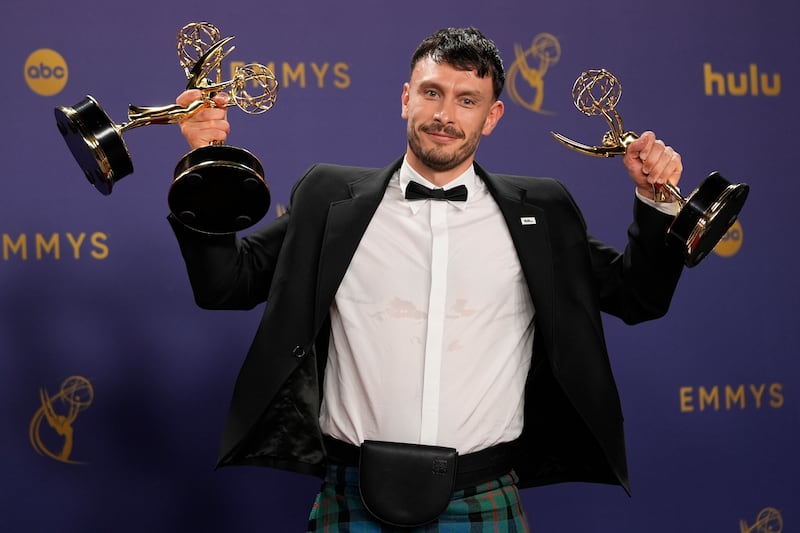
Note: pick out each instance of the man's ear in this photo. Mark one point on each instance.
(494, 116)
(404, 101)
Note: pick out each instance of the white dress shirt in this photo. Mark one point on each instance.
(432, 325)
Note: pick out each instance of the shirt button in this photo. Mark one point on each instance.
(299, 352)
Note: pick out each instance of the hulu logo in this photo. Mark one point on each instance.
(751, 83)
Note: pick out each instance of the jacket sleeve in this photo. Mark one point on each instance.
(227, 272)
(638, 284)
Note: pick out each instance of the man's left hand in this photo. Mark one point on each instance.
(650, 163)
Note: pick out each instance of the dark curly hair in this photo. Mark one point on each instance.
(464, 49)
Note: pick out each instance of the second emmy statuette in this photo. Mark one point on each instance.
(705, 215)
(216, 189)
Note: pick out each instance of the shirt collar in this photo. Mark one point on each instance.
(469, 179)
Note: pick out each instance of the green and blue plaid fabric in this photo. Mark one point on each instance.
(493, 506)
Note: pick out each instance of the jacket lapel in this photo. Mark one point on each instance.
(347, 221)
(528, 226)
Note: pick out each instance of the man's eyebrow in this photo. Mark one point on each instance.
(431, 84)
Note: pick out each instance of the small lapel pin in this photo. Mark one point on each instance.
(527, 221)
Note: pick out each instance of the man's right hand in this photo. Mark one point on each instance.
(207, 126)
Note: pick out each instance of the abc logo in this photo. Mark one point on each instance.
(730, 242)
(46, 72)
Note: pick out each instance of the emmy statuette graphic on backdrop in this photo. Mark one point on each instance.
(217, 188)
(74, 397)
(704, 216)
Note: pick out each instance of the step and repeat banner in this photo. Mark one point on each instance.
(114, 385)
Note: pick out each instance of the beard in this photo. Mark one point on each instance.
(439, 158)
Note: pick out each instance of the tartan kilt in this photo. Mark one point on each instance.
(494, 506)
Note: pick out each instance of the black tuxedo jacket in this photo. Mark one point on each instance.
(573, 421)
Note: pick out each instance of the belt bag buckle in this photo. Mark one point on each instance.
(406, 485)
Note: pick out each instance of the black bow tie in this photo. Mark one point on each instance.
(417, 191)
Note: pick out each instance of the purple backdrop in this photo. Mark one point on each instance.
(93, 291)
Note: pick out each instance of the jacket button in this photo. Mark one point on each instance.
(299, 352)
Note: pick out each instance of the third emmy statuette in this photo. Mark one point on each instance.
(217, 188)
(705, 215)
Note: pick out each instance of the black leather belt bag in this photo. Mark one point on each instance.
(406, 485)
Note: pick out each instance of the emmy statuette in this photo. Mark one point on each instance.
(216, 189)
(704, 216)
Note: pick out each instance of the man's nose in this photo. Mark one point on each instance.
(444, 113)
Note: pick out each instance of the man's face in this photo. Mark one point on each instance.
(447, 112)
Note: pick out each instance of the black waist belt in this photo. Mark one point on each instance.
(473, 468)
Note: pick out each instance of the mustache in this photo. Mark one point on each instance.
(437, 127)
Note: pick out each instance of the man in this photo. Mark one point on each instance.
(400, 328)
